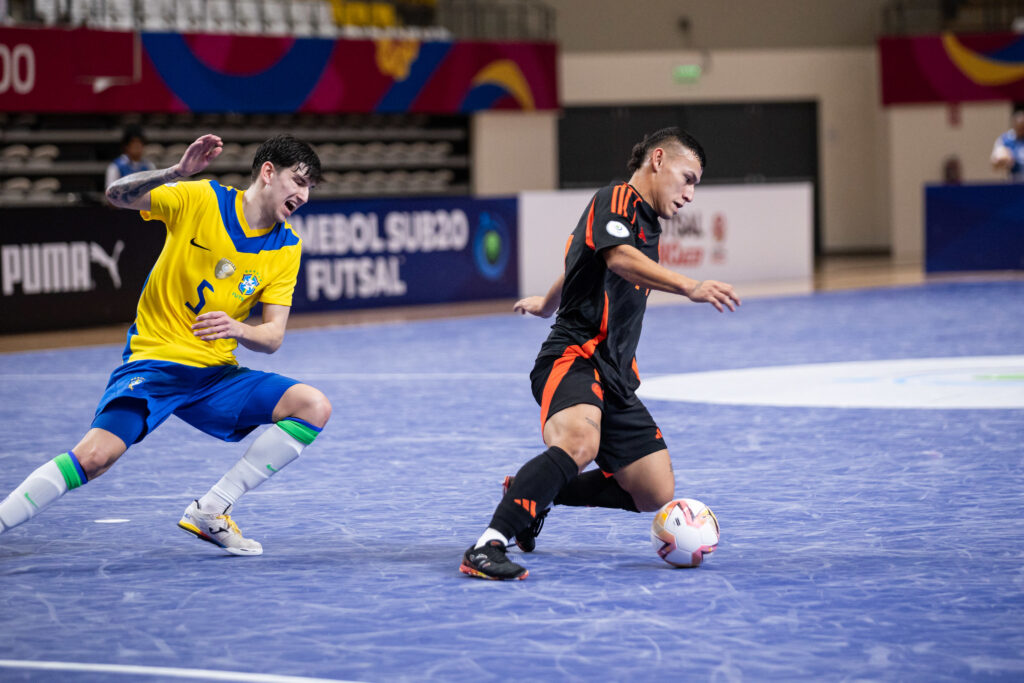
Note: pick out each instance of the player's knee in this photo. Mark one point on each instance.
(98, 450)
(94, 459)
(306, 403)
(581, 447)
(319, 408)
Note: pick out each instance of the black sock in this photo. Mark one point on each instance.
(594, 489)
(536, 485)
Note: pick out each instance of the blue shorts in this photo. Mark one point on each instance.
(225, 401)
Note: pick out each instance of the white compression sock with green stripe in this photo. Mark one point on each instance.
(45, 485)
(272, 450)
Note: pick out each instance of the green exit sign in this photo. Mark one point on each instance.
(687, 73)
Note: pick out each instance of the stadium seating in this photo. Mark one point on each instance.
(14, 156)
(43, 155)
(247, 17)
(61, 158)
(15, 188)
(361, 155)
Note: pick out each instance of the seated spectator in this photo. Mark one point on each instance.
(130, 161)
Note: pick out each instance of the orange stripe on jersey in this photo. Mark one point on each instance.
(561, 366)
(590, 225)
(630, 194)
(568, 243)
(636, 370)
(622, 196)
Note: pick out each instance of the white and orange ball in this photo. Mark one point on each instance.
(684, 531)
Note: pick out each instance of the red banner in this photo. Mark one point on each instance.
(952, 68)
(56, 70)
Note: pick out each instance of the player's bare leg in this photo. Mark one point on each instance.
(306, 403)
(577, 431)
(650, 481)
(98, 451)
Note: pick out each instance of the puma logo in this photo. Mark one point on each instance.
(98, 255)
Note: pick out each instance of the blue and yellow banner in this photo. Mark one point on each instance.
(952, 68)
(53, 70)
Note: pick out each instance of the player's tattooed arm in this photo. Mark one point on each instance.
(127, 191)
(132, 191)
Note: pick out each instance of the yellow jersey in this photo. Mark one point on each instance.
(211, 261)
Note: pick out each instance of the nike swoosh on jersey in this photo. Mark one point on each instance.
(196, 244)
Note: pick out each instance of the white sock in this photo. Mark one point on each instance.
(271, 451)
(490, 535)
(45, 485)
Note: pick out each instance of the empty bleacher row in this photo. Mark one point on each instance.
(47, 190)
(57, 159)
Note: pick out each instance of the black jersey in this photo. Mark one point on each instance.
(601, 314)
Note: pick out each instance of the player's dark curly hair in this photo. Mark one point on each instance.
(642, 149)
(287, 151)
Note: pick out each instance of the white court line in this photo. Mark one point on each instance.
(356, 376)
(201, 674)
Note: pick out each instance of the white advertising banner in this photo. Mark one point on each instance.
(735, 233)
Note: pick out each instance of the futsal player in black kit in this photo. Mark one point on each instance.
(585, 376)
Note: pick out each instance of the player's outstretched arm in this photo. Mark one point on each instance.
(630, 264)
(132, 191)
(263, 338)
(542, 306)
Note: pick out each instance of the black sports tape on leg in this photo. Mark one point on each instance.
(595, 489)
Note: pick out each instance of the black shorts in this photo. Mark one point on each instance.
(628, 431)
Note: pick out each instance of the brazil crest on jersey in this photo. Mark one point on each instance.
(211, 261)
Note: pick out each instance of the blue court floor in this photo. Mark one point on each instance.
(857, 544)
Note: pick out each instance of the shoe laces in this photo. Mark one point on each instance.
(231, 524)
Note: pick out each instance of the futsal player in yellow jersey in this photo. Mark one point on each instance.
(225, 251)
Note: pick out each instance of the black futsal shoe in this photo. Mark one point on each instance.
(527, 538)
(490, 562)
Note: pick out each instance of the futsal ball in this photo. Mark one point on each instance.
(684, 531)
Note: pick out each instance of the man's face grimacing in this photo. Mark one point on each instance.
(677, 172)
(289, 189)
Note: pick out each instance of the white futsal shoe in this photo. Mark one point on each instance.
(218, 529)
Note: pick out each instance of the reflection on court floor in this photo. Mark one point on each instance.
(861, 543)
